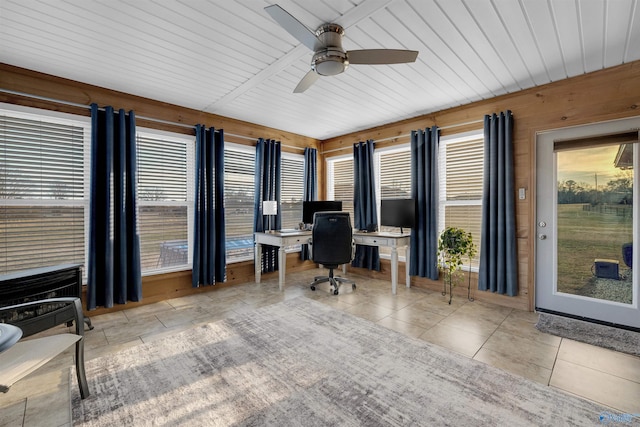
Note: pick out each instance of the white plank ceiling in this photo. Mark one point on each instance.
(231, 58)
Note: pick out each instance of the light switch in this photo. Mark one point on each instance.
(521, 194)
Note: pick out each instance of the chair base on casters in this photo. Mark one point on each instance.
(334, 282)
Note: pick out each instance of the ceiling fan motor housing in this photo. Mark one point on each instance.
(330, 57)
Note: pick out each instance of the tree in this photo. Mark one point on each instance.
(9, 188)
(621, 188)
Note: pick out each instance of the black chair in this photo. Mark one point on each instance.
(331, 245)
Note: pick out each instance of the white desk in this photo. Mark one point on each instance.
(281, 239)
(393, 241)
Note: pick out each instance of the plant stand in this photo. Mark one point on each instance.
(444, 289)
(469, 297)
(454, 244)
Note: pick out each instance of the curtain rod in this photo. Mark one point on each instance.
(457, 125)
(151, 119)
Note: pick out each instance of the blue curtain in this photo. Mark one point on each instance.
(267, 187)
(310, 192)
(209, 242)
(310, 182)
(498, 255)
(113, 270)
(424, 190)
(364, 203)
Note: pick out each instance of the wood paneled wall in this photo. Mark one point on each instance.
(52, 89)
(604, 95)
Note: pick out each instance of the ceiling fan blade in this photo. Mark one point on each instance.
(381, 56)
(293, 26)
(309, 79)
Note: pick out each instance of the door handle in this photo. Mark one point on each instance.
(542, 236)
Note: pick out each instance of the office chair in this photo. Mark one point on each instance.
(331, 244)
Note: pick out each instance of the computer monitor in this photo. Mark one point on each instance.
(309, 208)
(398, 213)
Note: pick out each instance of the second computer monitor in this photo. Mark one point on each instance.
(398, 213)
(309, 208)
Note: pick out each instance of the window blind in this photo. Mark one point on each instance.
(239, 167)
(461, 186)
(43, 192)
(464, 172)
(291, 190)
(162, 169)
(394, 179)
(341, 183)
(395, 174)
(164, 166)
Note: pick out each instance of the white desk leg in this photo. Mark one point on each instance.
(258, 261)
(282, 266)
(406, 265)
(394, 269)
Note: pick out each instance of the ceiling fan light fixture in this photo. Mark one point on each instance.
(329, 62)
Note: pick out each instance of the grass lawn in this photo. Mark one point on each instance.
(585, 235)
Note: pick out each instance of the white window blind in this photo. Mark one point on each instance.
(461, 182)
(394, 182)
(395, 174)
(340, 183)
(165, 178)
(43, 190)
(291, 189)
(239, 164)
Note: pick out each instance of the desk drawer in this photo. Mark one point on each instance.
(372, 241)
(296, 240)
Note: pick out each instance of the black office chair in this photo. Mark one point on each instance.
(331, 245)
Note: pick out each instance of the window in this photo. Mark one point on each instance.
(393, 168)
(461, 181)
(340, 182)
(44, 184)
(239, 167)
(291, 188)
(165, 194)
(44, 189)
(393, 177)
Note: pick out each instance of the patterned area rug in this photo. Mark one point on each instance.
(590, 333)
(302, 363)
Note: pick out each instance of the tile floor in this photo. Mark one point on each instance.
(499, 336)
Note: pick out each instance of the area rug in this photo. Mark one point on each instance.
(591, 333)
(302, 363)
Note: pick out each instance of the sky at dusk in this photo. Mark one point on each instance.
(583, 165)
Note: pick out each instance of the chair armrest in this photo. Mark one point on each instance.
(310, 246)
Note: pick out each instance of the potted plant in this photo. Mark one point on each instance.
(454, 247)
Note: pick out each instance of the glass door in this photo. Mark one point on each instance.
(586, 221)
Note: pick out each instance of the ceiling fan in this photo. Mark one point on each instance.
(329, 56)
